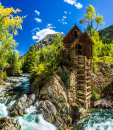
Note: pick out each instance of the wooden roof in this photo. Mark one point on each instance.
(74, 26)
(81, 37)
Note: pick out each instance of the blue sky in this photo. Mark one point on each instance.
(52, 16)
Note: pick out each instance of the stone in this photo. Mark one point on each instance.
(51, 113)
(20, 106)
(55, 93)
(9, 124)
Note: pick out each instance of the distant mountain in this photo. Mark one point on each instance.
(45, 41)
(107, 33)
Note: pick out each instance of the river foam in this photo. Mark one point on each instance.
(97, 120)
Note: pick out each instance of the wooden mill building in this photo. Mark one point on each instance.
(77, 52)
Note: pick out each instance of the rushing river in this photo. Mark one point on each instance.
(97, 120)
(30, 121)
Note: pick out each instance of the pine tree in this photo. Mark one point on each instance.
(29, 60)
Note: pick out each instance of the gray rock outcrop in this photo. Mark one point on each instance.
(20, 106)
(51, 114)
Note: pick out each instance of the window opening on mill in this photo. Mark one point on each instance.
(79, 49)
(79, 46)
(75, 34)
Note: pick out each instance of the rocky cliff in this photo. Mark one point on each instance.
(45, 41)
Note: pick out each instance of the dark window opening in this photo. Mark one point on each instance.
(79, 46)
(75, 34)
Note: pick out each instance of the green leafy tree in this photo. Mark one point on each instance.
(90, 18)
(97, 46)
(29, 60)
(48, 58)
(14, 64)
(9, 24)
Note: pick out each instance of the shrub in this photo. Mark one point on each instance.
(94, 95)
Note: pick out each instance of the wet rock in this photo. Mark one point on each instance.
(9, 124)
(51, 114)
(20, 106)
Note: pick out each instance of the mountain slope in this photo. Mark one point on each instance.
(107, 33)
(45, 41)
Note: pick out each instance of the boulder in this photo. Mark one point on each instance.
(20, 106)
(55, 93)
(9, 124)
(51, 114)
(55, 106)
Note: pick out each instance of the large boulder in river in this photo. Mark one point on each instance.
(20, 106)
(9, 124)
(51, 114)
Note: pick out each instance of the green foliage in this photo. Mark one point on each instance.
(95, 67)
(9, 24)
(106, 34)
(67, 117)
(48, 58)
(97, 46)
(103, 87)
(90, 18)
(94, 95)
(65, 78)
(14, 64)
(101, 52)
(4, 77)
(56, 117)
(29, 60)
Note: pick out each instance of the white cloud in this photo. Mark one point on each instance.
(64, 17)
(74, 2)
(39, 35)
(64, 22)
(37, 12)
(50, 26)
(65, 12)
(69, 12)
(38, 20)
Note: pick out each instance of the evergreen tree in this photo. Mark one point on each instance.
(29, 60)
